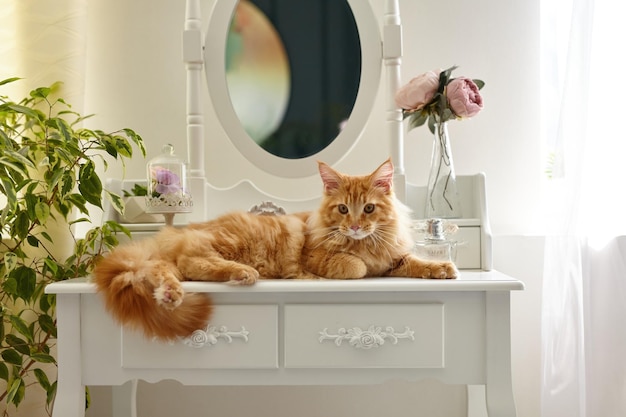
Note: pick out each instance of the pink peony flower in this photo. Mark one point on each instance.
(464, 97)
(418, 92)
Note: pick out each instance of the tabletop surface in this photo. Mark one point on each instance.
(468, 280)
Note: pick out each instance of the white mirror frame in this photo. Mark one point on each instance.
(215, 69)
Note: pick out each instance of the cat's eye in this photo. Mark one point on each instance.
(369, 208)
(343, 209)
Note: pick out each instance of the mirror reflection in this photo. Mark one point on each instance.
(293, 72)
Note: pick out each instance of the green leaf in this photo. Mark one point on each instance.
(47, 325)
(45, 302)
(12, 164)
(68, 182)
(79, 220)
(16, 392)
(42, 378)
(64, 129)
(43, 358)
(9, 80)
(431, 124)
(79, 202)
(109, 146)
(88, 190)
(22, 224)
(47, 237)
(42, 211)
(116, 201)
(10, 286)
(63, 208)
(136, 139)
(4, 372)
(123, 147)
(18, 344)
(26, 281)
(51, 265)
(12, 356)
(444, 78)
(53, 179)
(31, 200)
(26, 110)
(418, 119)
(116, 227)
(479, 83)
(32, 241)
(446, 115)
(8, 189)
(51, 393)
(20, 325)
(41, 92)
(20, 159)
(90, 185)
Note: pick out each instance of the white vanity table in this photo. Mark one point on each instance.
(305, 332)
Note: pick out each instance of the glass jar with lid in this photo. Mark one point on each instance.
(167, 185)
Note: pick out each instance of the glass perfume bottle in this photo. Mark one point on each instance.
(435, 246)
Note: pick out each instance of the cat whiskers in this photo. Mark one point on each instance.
(384, 238)
(331, 236)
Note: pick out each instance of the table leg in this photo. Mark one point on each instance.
(476, 402)
(125, 400)
(500, 401)
(70, 397)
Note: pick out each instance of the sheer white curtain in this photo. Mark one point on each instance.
(584, 292)
(44, 41)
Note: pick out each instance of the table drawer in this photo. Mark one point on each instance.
(364, 336)
(238, 337)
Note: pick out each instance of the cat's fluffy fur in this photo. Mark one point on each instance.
(359, 230)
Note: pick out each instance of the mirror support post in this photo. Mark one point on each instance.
(193, 59)
(392, 57)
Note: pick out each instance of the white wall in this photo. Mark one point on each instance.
(135, 78)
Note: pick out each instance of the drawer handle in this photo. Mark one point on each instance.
(212, 334)
(373, 337)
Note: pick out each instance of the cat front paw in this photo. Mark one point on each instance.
(443, 270)
(169, 295)
(243, 275)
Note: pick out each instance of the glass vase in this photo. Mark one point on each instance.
(442, 198)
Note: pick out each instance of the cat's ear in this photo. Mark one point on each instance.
(383, 176)
(330, 177)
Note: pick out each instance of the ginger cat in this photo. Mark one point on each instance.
(359, 230)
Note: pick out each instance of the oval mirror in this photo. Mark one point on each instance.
(257, 107)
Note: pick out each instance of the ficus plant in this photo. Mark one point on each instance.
(49, 179)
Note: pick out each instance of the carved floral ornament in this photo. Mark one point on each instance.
(373, 337)
(212, 334)
(356, 337)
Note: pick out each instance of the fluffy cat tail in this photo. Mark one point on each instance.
(145, 294)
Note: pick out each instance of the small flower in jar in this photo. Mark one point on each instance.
(165, 181)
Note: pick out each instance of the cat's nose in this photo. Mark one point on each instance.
(355, 227)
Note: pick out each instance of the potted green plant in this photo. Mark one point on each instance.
(48, 177)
